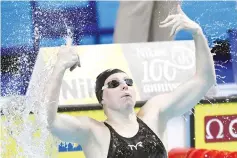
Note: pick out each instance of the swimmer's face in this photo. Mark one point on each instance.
(119, 92)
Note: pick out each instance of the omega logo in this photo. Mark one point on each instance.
(220, 128)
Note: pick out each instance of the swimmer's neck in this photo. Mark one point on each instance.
(120, 117)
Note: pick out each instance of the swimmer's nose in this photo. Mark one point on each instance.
(124, 86)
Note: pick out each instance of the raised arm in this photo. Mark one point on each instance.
(65, 127)
(188, 94)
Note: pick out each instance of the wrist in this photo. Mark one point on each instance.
(197, 32)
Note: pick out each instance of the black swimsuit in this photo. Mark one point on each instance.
(145, 144)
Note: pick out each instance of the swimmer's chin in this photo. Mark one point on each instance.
(130, 103)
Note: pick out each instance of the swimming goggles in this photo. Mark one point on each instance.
(115, 83)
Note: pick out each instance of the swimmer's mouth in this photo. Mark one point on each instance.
(126, 95)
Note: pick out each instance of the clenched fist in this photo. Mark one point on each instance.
(68, 58)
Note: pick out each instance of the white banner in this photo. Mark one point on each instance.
(155, 67)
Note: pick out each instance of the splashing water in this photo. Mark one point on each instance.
(69, 36)
(29, 131)
(26, 133)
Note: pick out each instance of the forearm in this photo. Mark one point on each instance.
(204, 61)
(53, 92)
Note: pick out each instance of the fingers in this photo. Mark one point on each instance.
(77, 64)
(174, 21)
(176, 28)
(73, 67)
(169, 18)
(179, 9)
(173, 30)
(70, 57)
(169, 23)
(178, 22)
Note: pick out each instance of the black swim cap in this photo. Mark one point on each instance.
(100, 80)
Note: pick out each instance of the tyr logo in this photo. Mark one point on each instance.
(135, 146)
